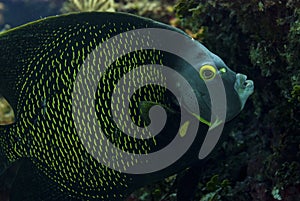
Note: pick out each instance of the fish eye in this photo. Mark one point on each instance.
(207, 72)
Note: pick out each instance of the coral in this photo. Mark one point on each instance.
(158, 10)
(88, 5)
(155, 9)
(140, 7)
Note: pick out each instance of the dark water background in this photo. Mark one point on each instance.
(18, 12)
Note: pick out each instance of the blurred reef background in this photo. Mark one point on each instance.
(260, 159)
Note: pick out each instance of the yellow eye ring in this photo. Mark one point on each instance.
(207, 72)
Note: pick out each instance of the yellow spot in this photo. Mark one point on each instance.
(223, 70)
(183, 129)
(215, 124)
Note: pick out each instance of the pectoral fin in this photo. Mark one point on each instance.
(145, 107)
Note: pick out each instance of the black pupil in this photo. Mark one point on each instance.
(207, 74)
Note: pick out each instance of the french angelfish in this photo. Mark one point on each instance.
(39, 65)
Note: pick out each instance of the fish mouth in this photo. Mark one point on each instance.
(243, 87)
(241, 80)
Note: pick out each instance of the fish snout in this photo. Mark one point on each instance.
(243, 87)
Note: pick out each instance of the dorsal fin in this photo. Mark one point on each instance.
(18, 45)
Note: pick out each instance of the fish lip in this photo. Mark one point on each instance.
(242, 82)
(243, 87)
(249, 84)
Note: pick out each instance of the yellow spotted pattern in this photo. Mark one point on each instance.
(45, 130)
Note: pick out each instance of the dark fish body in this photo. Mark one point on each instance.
(39, 64)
